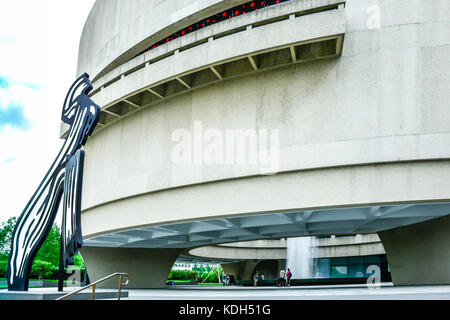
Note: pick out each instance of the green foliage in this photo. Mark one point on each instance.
(201, 269)
(182, 275)
(79, 262)
(41, 269)
(211, 276)
(3, 268)
(49, 250)
(46, 262)
(6, 230)
(202, 275)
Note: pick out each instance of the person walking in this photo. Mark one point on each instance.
(256, 278)
(288, 277)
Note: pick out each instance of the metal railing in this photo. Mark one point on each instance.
(120, 274)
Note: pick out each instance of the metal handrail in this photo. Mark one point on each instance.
(120, 274)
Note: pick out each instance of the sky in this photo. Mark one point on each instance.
(38, 59)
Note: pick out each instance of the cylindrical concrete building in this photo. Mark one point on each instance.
(227, 121)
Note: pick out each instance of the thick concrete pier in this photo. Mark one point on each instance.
(419, 254)
(147, 268)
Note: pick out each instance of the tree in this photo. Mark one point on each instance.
(79, 262)
(46, 261)
(6, 230)
(41, 269)
(49, 250)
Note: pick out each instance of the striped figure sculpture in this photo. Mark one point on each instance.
(63, 181)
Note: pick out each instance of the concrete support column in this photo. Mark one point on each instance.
(235, 268)
(419, 254)
(147, 268)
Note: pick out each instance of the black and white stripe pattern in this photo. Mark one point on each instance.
(71, 238)
(36, 220)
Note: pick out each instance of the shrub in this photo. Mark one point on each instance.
(41, 269)
(182, 275)
(3, 268)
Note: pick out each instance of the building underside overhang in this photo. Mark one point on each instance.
(350, 220)
(183, 258)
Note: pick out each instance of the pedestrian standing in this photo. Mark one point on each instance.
(288, 277)
(256, 278)
(281, 281)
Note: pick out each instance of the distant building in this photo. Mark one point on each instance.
(333, 257)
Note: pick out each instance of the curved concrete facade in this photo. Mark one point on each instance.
(327, 247)
(242, 258)
(114, 28)
(358, 95)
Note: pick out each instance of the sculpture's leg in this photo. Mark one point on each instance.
(61, 269)
(32, 228)
(71, 238)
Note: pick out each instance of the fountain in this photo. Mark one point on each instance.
(299, 257)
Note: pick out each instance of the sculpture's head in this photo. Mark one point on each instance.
(81, 86)
(79, 111)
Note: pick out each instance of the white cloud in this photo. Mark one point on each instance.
(39, 46)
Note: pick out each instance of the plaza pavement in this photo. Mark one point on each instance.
(342, 292)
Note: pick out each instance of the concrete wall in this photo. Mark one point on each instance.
(223, 252)
(419, 254)
(357, 245)
(147, 268)
(209, 47)
(115, 26)
(371, 184)
(368, 128)
(330, 247)
(384, 100)
(235, 268)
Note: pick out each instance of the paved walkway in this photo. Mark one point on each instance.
(343, 292)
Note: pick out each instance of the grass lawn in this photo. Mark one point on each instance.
(47, 280)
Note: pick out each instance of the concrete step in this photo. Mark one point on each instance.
(52, 294)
